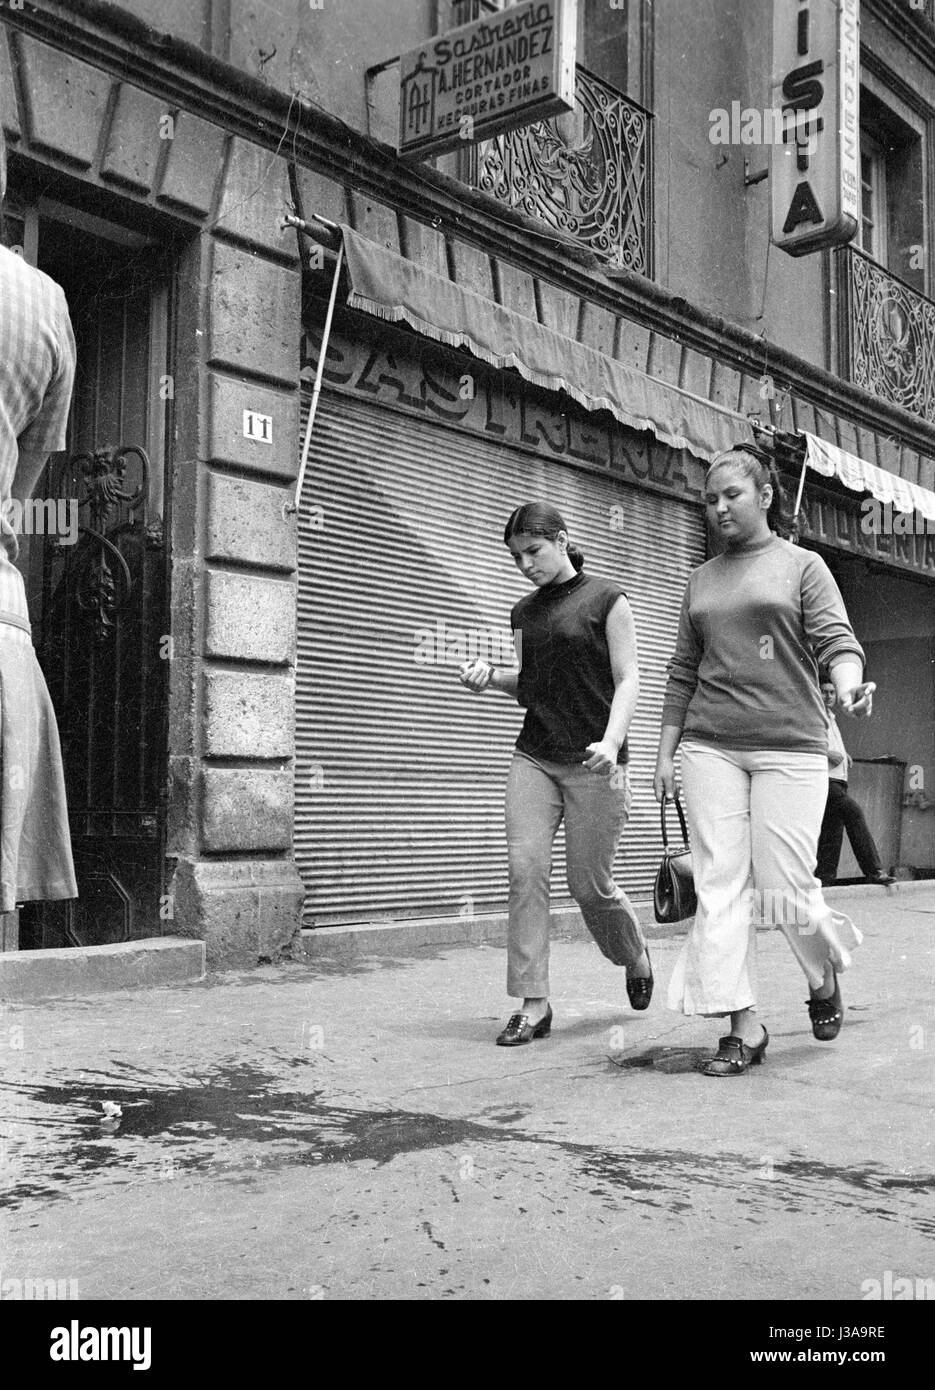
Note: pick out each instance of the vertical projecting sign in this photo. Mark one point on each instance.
(815, 160)
(509, 69)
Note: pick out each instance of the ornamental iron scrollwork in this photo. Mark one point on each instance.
(890, 334)
(585, 174)
(96, 483)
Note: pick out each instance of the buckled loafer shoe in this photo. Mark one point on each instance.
(640, 992)
(519, 1030)
(826, 1015)
(734, 1056)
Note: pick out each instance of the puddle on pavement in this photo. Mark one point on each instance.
(233, 1120)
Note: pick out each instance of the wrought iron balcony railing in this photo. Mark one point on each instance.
(886, 332)
(587, 174)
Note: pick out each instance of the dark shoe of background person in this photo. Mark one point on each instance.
(519, 1030)
(735, 1056)
(640, 992)
(884, 879)
(827, 1015)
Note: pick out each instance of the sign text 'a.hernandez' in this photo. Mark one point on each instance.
(815, 171)
(477, 81)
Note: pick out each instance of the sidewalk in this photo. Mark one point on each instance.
(348, 1130)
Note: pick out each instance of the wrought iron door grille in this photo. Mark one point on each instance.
(587, 174)
(886, 333)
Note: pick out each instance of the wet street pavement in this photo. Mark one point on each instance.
(352, 1133)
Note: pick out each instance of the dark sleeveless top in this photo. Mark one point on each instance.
(566, 684)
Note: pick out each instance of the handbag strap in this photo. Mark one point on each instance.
(681, 816)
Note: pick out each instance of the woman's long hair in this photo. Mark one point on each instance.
(757, 464)
(541, 519)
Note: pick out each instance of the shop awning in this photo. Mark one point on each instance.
(861, 476)
(399, 290)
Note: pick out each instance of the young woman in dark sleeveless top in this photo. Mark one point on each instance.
(578, 683)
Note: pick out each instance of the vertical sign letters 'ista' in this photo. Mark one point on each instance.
(815, 166)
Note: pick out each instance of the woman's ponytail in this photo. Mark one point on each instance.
(576, 556)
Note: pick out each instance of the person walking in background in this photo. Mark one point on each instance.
(579, 683)
(37, 368)
(743, 699)
(842, 811)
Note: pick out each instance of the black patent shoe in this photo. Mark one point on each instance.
(827, 1015)
(640, 992)
(519, 1030)
(734, 1056)
(884, 879)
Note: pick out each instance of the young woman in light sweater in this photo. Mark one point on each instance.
(744, 701)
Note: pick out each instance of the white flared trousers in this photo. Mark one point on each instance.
(754, 820)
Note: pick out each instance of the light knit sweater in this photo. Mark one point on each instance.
(754, 622)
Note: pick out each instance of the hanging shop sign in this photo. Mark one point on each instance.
(487, 77)
(815, 152)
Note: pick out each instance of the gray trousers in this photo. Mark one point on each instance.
(595, 808)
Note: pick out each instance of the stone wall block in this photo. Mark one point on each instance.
(900, 459)
(472, 268)
(665, 359)
(246, 809)
(696, 373)
(426, 246)
(66, 101)
(247, 525)
(375, 221)
(598, 327)
(243, 911)
(751, 402)
(559, 309)
(633, 348)
(249, 619)
(196, 159)
(227, 442)
(134, 141)
(255, 195)
(248, 716)
(321, 195)
(256, 311)
(725, 386)
(517, 290)
(9, 115)
(803, 415)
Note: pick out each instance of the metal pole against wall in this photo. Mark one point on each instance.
(291, 221)
(798, 495)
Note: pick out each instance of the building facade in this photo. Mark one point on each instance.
(262, 724)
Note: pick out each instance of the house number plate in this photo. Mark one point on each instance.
(258, 427)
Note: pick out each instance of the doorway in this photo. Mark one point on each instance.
(98, 594)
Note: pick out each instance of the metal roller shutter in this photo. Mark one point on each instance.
(400, 770)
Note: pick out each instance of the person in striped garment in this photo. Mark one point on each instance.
(37, 368)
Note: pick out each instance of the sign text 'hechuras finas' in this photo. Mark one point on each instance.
(815, 171)
(477, 81)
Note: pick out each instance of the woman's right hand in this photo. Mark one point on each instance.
(664, 779)
(476, 675)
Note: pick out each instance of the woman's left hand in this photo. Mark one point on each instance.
(858, 701)
(602, 757)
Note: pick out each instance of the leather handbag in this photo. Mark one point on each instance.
(674, 896)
